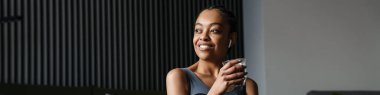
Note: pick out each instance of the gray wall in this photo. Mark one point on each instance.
(254, 42)
(303, 45)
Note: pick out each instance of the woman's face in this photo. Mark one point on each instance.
(211, 35)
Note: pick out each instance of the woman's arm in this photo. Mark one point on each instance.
(176, 83)
(251, 87)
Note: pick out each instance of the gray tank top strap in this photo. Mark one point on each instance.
(197, 87)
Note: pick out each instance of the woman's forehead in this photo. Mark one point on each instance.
(208, 17)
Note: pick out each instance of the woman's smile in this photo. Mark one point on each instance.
(205, 46)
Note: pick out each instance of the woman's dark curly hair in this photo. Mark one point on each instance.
(231, 19)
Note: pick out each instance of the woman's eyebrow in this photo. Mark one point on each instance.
(198, 24)
(212, 24)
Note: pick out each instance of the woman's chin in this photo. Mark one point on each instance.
(205, 56)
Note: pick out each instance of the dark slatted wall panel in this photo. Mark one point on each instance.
(112, 44)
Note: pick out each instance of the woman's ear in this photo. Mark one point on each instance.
(230, 43)
(233, 38)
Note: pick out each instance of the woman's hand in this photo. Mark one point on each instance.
(230, 74)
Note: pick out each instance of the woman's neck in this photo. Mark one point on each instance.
(209, 67)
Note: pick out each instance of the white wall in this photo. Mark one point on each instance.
(313, 45)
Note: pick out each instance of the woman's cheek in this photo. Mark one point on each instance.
(194, 41)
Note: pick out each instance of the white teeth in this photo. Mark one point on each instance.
(204, 46)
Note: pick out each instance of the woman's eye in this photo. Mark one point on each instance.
(215, 31)
(197, 30)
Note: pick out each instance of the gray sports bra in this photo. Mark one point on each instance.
(197, 87)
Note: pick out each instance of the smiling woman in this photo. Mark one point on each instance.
(214, 34)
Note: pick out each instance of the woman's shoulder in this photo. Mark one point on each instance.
(179, 73)
(176, 81)
(251, 87)
(251, 81)
(176, 73)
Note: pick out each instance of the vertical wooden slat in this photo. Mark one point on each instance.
(64, 41)
(160, 42)
(58, 42)
(151, 63)
(32, 43)
(4, 30)
(39, 39)
(108, 48)
(12, 38)
(98, 43)
(26, 30)
(44, 43)
(156, 44)
(121, 51)
(129, 45)
(139, 45)
(75, 42)
(85, 45)
(1, 42)
(124, 49)
(5, 38)
(114, 58)
(92, 47)
(175, 31)
(21, 44)
(134, 45)
(17, 43)
(50, 42)
(81, 34)
(104, 52)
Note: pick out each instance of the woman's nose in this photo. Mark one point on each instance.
(204, 37)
